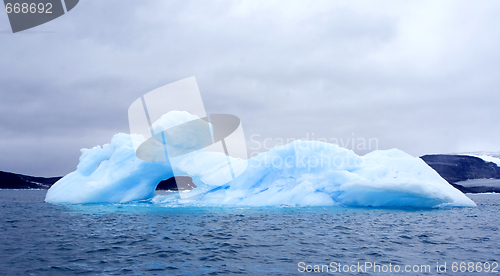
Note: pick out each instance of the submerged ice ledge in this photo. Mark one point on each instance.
(302, 173)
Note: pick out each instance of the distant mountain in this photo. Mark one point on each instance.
(179, 183)
(469, 174)
(19, 181)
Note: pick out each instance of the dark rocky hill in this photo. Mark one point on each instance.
(457, 168)
(179, 183)
(19, 181)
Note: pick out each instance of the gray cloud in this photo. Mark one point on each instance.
(419, 76)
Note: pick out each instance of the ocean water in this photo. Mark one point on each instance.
(37, 238)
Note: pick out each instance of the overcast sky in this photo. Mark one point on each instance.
(421, 76)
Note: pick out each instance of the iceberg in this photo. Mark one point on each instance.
(302, 173)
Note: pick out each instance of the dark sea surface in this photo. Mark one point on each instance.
(37, 238)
